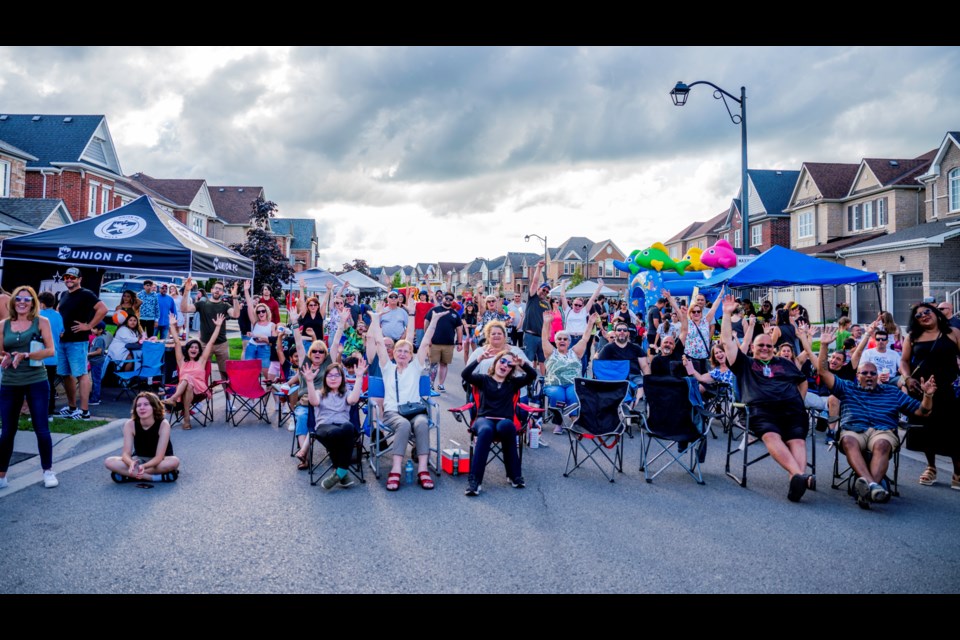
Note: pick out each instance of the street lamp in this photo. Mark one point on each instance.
(546, 259)
(586, 262)
(679, 94)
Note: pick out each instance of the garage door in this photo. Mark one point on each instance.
(907, 291)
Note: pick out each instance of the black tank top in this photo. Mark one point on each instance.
(145, 441)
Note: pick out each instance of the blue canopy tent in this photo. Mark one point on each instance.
(782, 267)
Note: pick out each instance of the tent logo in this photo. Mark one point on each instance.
(64, 252)
(225, 266)
(120, 227)
(188, 235)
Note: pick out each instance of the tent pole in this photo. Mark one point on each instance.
(879, 297)
(823, 309)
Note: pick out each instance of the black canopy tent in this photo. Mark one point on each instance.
(136, 237)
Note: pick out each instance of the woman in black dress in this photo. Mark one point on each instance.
(931, 349)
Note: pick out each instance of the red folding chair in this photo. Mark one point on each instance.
(244, 393)
(201, 408)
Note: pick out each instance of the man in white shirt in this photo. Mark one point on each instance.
(887, 361)
(515, 310)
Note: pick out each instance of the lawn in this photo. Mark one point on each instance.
(64, 425)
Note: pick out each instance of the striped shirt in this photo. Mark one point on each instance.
(862, 409)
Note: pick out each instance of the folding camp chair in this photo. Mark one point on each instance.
(381, 435)
(523, 418)
(201, 407)
(148, 365)
(599, 426)
(620, 370)
(844, 476)
(677, 423)
(244, 394)
(740, 439)
(322, 466)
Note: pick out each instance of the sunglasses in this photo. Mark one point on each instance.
(393, 297)
(623, 330)
(262, 312)
(578, 306)
(695, 313)
(763, 346)
(882, 339)
(505, 361)
(69, 277)
(867, 373)
(925, 312)
(312, 304)
(22, 299)
(319, 352)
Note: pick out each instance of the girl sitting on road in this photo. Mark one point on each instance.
(147, 451)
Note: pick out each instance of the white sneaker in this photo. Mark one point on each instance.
(50, 479)
(3, 483)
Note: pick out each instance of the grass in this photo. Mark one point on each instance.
(236, 348)
(64, 425)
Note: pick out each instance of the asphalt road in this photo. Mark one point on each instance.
(242, 519)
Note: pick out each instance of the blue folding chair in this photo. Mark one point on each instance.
(148, 364)
(615, 371)
(381, 436)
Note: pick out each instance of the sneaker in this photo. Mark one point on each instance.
(330, 481)
(77, 414)
(878, 493)
(347, 481)
(291, 427)
(862, 488)
(50, 479)
(558, 430)
(67, 412)
(473, 489)
(440, 387)
(518, 483)
(4, 483)
(84, 415)
(94, 403)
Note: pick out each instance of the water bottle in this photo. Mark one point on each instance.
(535, 435)
(408, 471)
(456, 462)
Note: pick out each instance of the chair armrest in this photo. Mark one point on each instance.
(528, 408)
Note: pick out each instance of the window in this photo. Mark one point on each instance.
(92, 202)
(854, 218)
(4, 179)
(569, 267)
(756, 235)
(105, 201)
(805, 224)
(737, 239)
(953, 189)
(609, 270)
(867, 215)
(882, 212)
(196, 224)
(726, 237)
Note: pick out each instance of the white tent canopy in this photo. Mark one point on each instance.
(584, 290)
(316, 281)
(362, 283)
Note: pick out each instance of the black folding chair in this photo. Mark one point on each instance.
(677, 424)
(844, 476)
(740, 439)
(599, 426)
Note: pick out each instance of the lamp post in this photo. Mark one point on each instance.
(586, 263)
(546, 258)
(679, 95)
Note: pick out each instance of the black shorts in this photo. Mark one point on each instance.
(789, 423)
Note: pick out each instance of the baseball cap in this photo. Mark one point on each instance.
(73, 271)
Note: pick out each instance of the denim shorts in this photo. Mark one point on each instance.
(72, 359)
(259, 352)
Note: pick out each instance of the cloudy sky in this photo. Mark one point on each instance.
(414, 154)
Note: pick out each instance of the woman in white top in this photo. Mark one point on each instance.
(495, 339)
(401, 383)
(576, 320)
(128, 335)
(261, 330)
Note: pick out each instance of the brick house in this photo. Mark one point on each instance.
(922, 259)
(768, 192)
(591, 259)
(300, 235)
(232, 207)
(74, 161)
(188, 199)
(699, 234)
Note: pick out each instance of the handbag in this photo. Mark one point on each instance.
(408, 409)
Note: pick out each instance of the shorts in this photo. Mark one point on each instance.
(72, 359)
(869, 438)
(533, 347)
(259, 352)
(274, 371)
(813, 401)
(441, 353)
(790, 425)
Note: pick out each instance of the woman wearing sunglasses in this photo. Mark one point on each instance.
(27, 340)
(930, 350)
(497, 390)
(563, 366)
(262, 330)
(576, 316)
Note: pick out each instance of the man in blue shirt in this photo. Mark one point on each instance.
(868, 420)
(149, 307)
(165, 306)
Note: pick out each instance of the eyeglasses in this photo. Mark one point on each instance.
(22, 299)
(334, 372)
(623, 330)
(923, 312)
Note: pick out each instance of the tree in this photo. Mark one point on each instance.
(358, 264)
(271, 267)
(577, 276)
(397, 280)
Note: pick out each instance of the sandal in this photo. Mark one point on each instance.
(393, 481)
(186, 426)
(424, 480)
(929, 476)
(303, 466)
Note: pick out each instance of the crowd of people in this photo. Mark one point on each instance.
(865, 377)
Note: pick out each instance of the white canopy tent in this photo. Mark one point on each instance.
(584, 290)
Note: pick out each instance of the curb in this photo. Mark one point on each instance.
(82, 442)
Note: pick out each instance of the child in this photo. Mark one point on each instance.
(97, 356)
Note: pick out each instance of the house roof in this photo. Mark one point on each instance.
(232, 204)
(179, 191)
(51, 138)
(833, 179)
(895, 171)
(686, 231)
(10, 150)
(516, 258)
(575, 244)
(140, 189)
(701, 227)
(302, 230)
(423, 267)
(31, 211)
(839, 244)
(919, 235)
(475, 265)
(446, 267)
(951, 138)
(774, 188)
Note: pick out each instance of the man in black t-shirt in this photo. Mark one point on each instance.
(538, 303)
(81, 310)
(449, 332)
(207, 309)
(669, 362)
(773, 390)
(623, 349)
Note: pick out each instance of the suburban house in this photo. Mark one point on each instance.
(450, 274)
(20, 215)
(233, 211)
(71, 158)
(919, 255)
(299, 237)
(768, 193)
(591, 259)
(189, 200)
(699, 234)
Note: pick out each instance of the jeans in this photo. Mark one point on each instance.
(533, 348)
(339, 440)
(11, 399)
(556, 393)
(96, 377)
(163, 331)
(488, 431)
(417, 338)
